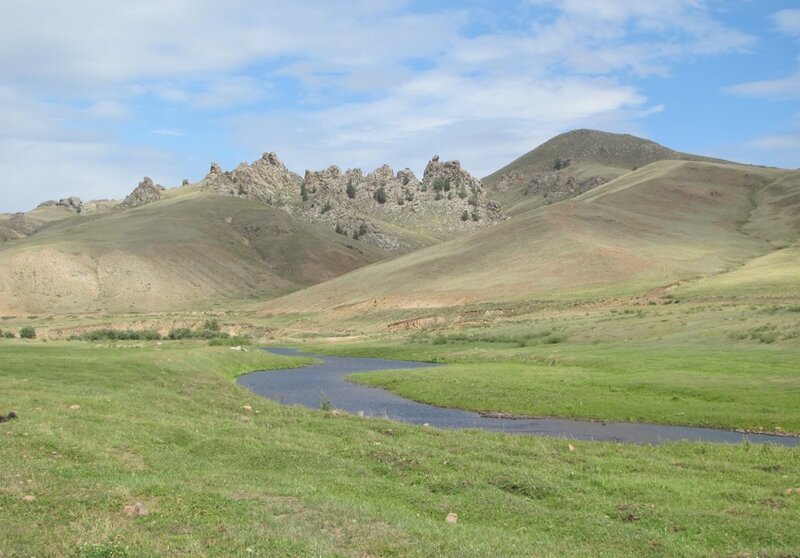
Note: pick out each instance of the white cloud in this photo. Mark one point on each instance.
(73, 74)
(787, 22)
(787, 88)
(34, 171)
(482, 121)
(781, 142)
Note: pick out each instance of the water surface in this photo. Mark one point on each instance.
(311, 385)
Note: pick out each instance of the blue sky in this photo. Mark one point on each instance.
(94, 94)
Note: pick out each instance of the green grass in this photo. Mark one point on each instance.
(167, 427)
(754, 388)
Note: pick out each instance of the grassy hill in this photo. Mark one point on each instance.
(184, 252)
(666, 222)
(573, 162)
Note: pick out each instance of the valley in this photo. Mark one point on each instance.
(606, 278)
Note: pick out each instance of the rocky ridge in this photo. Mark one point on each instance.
(375, 207)
(266, 180)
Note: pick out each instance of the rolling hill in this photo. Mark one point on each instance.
(183, 252)
(261, 232)
(572, 163)
(665, 222)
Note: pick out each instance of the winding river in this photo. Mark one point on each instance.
(311, 385)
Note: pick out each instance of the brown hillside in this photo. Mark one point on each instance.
(668, 221)
(192, 251)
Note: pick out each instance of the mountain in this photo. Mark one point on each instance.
(665, 222)
(347, 241)
(573, 163)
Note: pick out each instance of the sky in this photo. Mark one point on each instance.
(96, 94)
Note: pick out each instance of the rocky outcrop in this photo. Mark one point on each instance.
(266, 180)
(447, 201)
(146, 192)
(72, 203)
(381, 207)
(551, 186)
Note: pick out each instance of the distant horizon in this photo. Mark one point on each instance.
(93, 100)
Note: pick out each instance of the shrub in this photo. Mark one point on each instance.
(351, 190)
(362, 229)
(325, 208)
(340, 230)
(211, 325)
(465, 215)
(230, 341)
(304, 192)
(380, 195)
(9, 335)
(108, 334)
(27, 332)
(180, 333)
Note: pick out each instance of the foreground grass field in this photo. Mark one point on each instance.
(222, 472)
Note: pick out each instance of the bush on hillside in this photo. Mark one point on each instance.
(380, 195)
(27, 332)
(230, 341)
(109, 334)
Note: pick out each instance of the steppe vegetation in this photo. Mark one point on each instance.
(139, 449)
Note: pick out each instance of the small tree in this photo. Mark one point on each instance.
(380, 195)
(362, 229)
(465, 215)
(304, 192)
(27, 332)
(340, 230)
(325, 208)
(351, 190)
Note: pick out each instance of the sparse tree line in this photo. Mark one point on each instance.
(210, 330)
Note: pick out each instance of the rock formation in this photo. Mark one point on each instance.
(146, 192)
(447, 201)
(266, 180)
(551, 186)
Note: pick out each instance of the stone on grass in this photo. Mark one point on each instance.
(135, 510)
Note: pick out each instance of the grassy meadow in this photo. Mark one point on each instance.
(218, 471)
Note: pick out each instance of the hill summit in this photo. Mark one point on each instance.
(575, 162)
